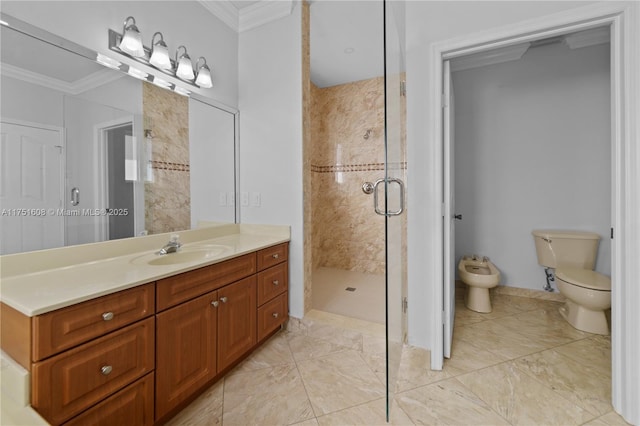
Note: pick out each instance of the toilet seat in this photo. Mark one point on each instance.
(585, 278)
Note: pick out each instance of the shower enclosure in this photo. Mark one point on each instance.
(357, 168)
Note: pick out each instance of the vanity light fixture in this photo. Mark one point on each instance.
(161, 82)
(184, 70)
(160, 53)
(131, 42)
(179, 90)
(108, 62)
(204, 74)
(135, 72)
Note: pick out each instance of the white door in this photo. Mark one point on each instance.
(449, 215)
(31, 186)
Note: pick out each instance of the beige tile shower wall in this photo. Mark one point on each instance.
(167, 194)
(306, 154)
(347, 234)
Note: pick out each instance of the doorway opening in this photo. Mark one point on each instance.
(120, 180)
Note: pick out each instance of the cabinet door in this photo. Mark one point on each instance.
(236, 321)
(185, 350)
(133, 406)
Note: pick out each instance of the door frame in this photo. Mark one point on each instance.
(624, 21)
(101, 170)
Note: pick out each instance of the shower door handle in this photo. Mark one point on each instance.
(388, 181)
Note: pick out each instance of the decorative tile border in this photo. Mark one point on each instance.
(367, 167)
(165, 165)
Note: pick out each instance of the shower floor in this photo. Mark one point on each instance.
(349, 293)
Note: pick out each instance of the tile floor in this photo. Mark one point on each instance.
(519, 365)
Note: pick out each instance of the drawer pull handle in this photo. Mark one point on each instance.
(275, 315)
(223, 299)
(275, 255)
(275, 282)
(107, 316)
(106, 370)
(215, 303)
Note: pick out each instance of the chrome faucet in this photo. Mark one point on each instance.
(172, 246)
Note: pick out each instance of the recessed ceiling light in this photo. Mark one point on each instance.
(349, 50)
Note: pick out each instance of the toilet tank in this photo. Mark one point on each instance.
(566, 248)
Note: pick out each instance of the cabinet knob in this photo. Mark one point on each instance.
(106, 370)
(223, 299)
(275, 255)
(215, 303)
(275, 315)
(275, 282)
(107, 316)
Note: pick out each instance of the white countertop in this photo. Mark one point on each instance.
(39, 282)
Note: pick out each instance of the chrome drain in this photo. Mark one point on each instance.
(350, 289)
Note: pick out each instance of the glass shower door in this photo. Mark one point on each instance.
(394, 185)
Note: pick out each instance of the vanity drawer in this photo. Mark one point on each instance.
(132, 406)
(272, 314)
(69, 383)
(180, 288)
(272, 256)
(272, 282)
(56, 331)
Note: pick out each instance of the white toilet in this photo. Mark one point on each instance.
(479, 274)
(588, 293)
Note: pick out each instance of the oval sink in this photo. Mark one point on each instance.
(184, 255)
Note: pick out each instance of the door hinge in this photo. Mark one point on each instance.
(444, 317)
(405, 305)
(612, 233)
(403, 88)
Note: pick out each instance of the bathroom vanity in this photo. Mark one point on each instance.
(140, 353)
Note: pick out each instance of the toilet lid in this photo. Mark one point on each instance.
(584, 278)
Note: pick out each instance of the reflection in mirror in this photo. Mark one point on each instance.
(90, 154)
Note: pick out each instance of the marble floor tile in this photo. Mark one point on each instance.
(584, 386)
(339, 381)
(306, 347)
(493, 336)
(335, 334)
(371, 413)
(447, 403)
(548, 335)
(467, 357)
(206, 410)
(594, 352)
(610, 419)
(272, 353)
(310, 422)
(273, 396)
(521, 399)
(415, 369)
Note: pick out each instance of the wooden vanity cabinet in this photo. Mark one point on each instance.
(236, 321)
(198, 339)
(186, 345)
(136, 356)
(273, 285)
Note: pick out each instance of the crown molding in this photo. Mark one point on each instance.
(587, 38)
(264, 12)
(223, 10)
(91, 81)
(496, 56)
(248, 17)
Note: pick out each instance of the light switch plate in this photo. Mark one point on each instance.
(255, 199)
(222, 199)
(244, 198)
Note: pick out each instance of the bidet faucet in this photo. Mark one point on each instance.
(172, 246)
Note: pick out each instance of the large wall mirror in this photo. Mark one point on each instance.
(91, 154)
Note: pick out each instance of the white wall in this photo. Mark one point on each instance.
(533, 151)
(270, 100)
(30, 102)
(429, 22)
(211, 163)
(181, 23)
